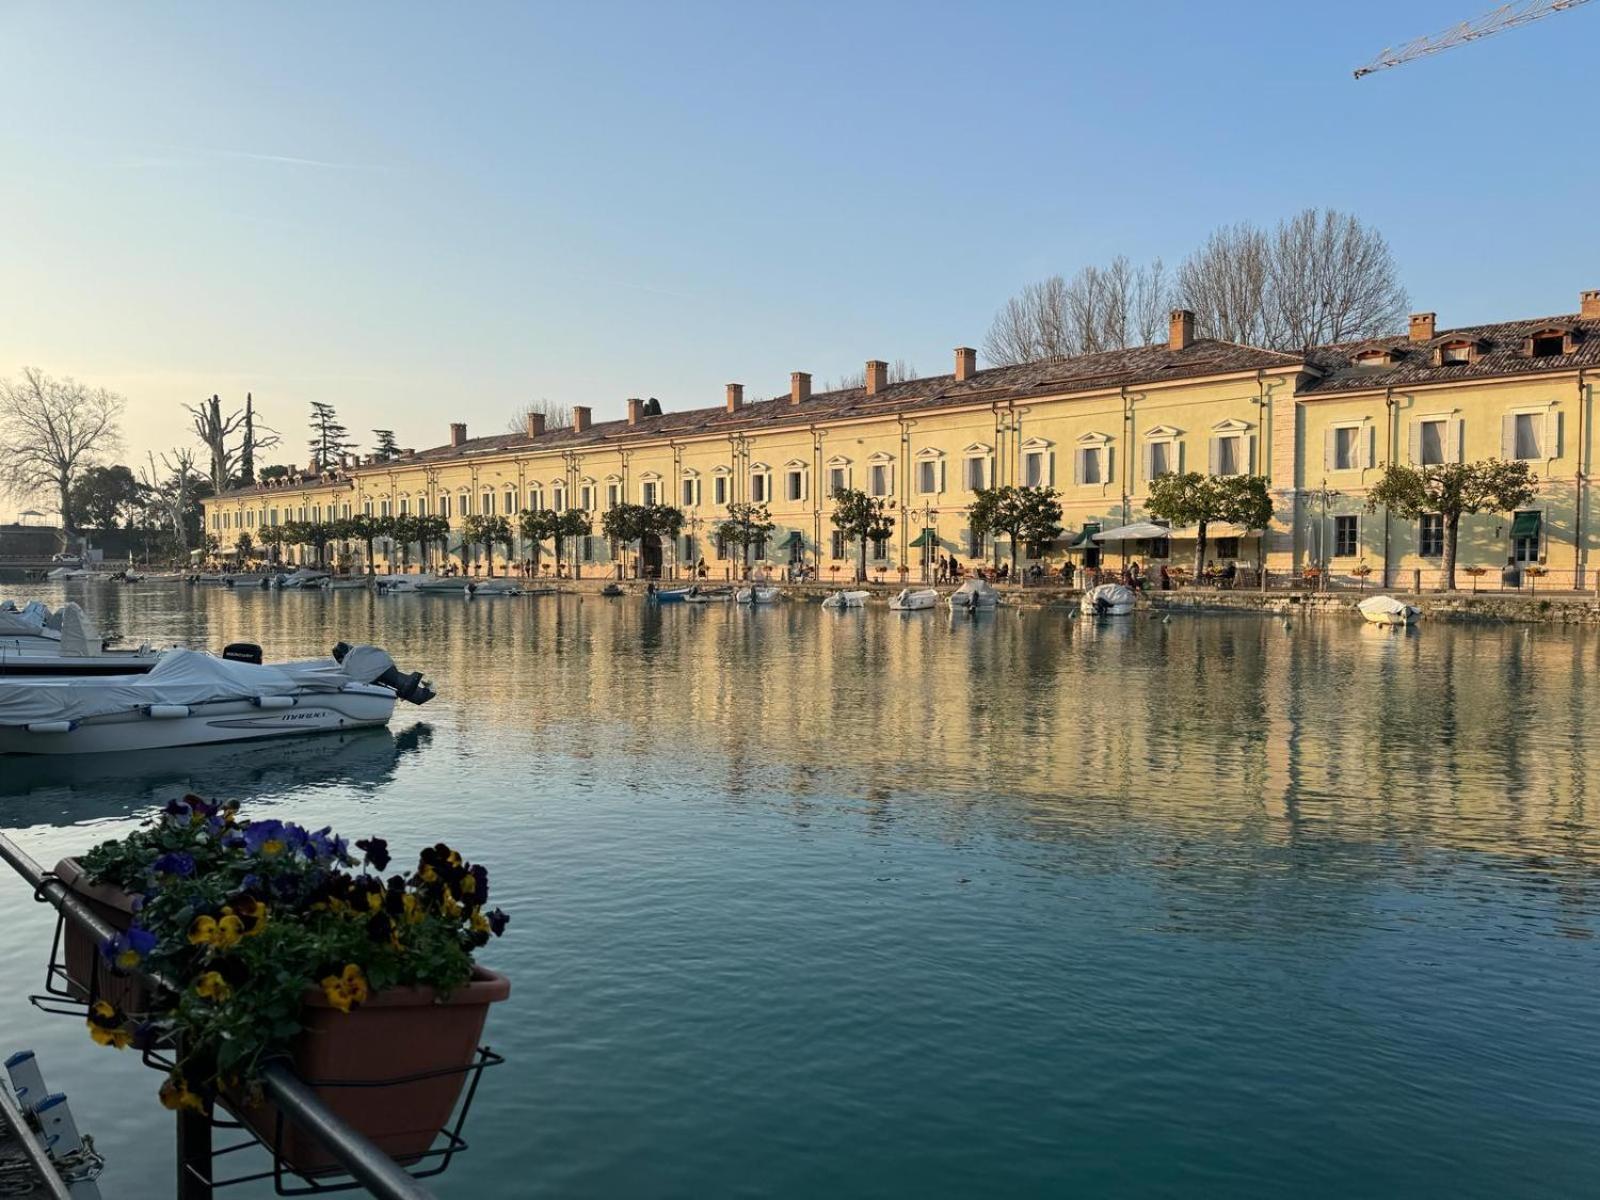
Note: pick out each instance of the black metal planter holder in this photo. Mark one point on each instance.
(62, 998)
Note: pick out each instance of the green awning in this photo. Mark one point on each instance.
(1085, 540)
(926, 538)
(1525, 525)
(795, 538)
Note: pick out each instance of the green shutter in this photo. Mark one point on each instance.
(1525, 525)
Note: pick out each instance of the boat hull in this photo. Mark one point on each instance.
(909, 601)
(357, 707)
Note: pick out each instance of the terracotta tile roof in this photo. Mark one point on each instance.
(1085, 372)
(1499, 353)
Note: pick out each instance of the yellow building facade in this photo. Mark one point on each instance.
(1319, 425)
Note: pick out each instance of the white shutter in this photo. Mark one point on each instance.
(1369, 445)
(1452, 440)
(1327, 449)
(941, 474)
(1214, 463)
(1177, 457)
(1250, 455)
(1508, 436)
(1414, 444)
(1149, 461)
(1077, 464)
(1050, 468)
(1110, 453)
(1552, 432)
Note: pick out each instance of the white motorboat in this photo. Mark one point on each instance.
(846, 600)
(300, 577)
(466, 585)
(246, 579)
(1108, 600)
(343, 583)
(756, 595)
(389, 585)
(700, 595)
(190, 698)
(973, 595)
(1386, 610)
(60, 574)
(914, 601)
(35, 641)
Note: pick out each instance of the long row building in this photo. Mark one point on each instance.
(1320, 425)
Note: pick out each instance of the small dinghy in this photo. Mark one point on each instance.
(386, 585)
(914, 601)
(846, 600)
(302, 577)
(35, 641)
(611, 589)
(1108, 600)
(973, 595)
(1386, 610)
(756, 595)
(190, 698)
(64, 573)
(343, 583)
(667, 595)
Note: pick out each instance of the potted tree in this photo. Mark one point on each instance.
(1361, 571)
(1476, 573)
(284, 944)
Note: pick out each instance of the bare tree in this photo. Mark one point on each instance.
(213, 431)
(556, 415)
(50, 430)
(1332, 279)
(1319, 276)
(1100, 308)
(171, 494)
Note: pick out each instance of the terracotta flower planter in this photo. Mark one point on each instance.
(395, 1034)
(81, 953)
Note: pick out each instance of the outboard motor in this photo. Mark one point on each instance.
(245, 652)
(409, 686)
(1102, 606)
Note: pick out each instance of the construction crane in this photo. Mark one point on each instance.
(1507, 16)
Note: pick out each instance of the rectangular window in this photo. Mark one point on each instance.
(838, 481)
(558, 498)
(758, 488)
(316, 513)
(1228, 456)
(878, 479)
(927, 478)
(1227, 547)
(1089, 465)
(758, 548)
(719, 495)
(588, 547)
(721, 543)
(795, 485)
(1452, 356)
(1528, 428)
(880, 547)
(272, 517)
(977, 474)
(647, 494)
(974, 544)
(405, 508)
(1431, 444)
(1160, 459)
(613, 494)
(688, 493)
(1033, 469)
(509, 503)
(1344, 448)
(1525, 530)
(444, 506)
(1346, 537)
(383, 508)
(838, 543)
(1430, 536)
(586, 498)
(422, 506)
(488, 504)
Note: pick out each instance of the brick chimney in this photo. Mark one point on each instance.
(458, 433)
(735, 397)
(877, 376)
(1589, 304)
(1422, 326)
(635, 405)
(535, 424)
(1180, 332)
(966, 363)
(582, 418)
(799, 387)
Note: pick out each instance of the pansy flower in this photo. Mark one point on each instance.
(212, 986)
(346, 990)
(176, 863)
(108, 1026)
(127, 950)
(498, 921)
(375, 851)
(177, 1095)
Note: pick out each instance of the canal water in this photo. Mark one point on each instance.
(860, 904)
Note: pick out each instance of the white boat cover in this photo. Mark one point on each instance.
(79, 638)
(1384, 606)
(180, 677)
(25, 622)
(974, 593)
(1113, 594)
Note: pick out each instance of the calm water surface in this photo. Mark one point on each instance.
(855, 904)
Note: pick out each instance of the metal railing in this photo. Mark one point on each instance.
(365, 1163)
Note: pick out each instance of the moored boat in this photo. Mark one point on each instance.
(914, 600)
(667, 595)
(856, 599)
(1108, 600)
(389, 585)
(973, 595)
(35, 641)
(190, 698)
(756, 595)
(344, 583)
(301, 577)
(1386, 610)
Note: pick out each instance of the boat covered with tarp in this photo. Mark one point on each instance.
(36, 641)
(1386, 610)
(1109, 600)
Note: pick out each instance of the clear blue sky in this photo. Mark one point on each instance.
(434, 213)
